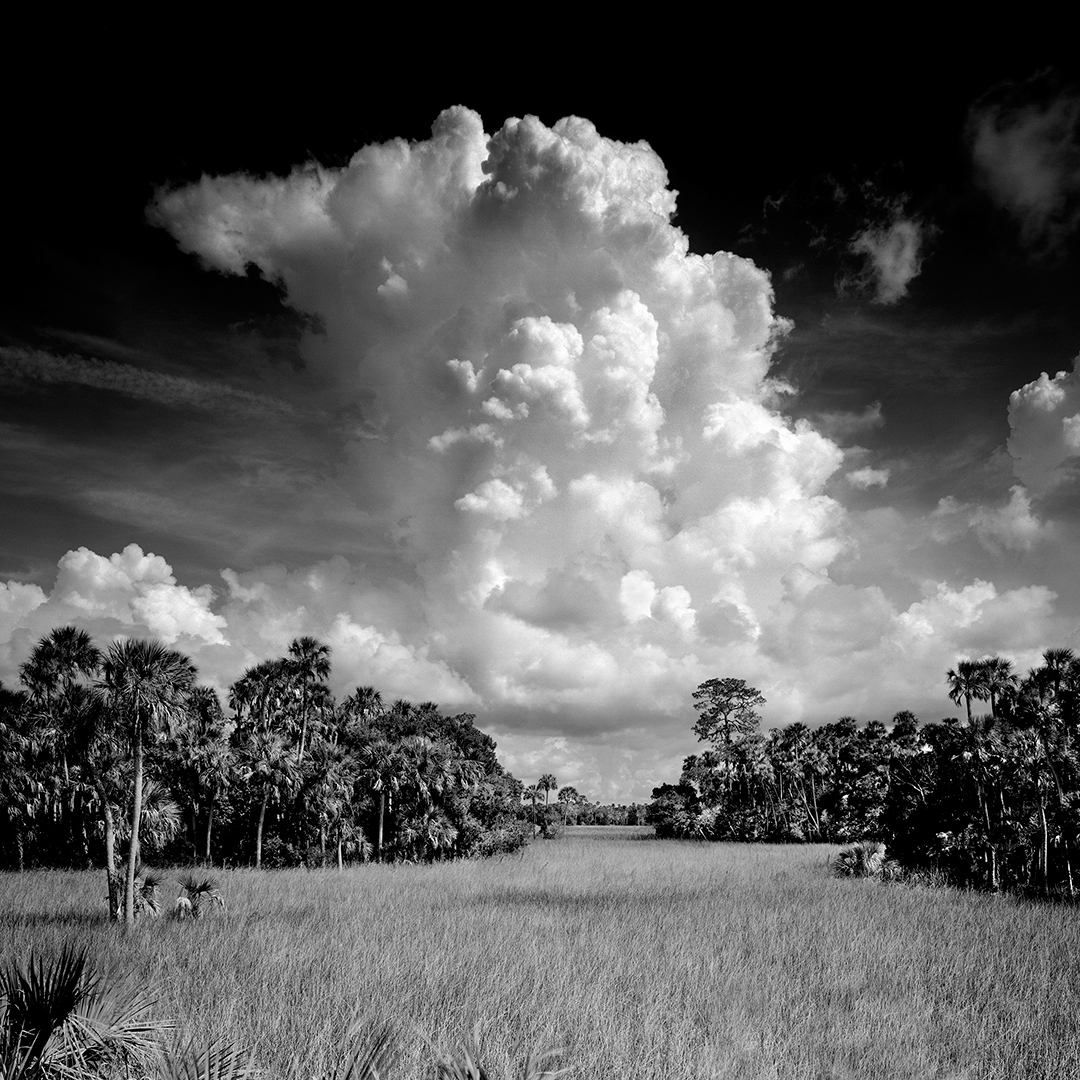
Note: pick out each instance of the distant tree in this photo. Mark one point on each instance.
(570, 797)
(271, 767)
(309, 665)
(381, 767)
(547, 783)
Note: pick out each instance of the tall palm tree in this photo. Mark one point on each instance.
(20, 783)
(966, 682)
(146, 687)
(259, 697)
(271, 766)
(380, 767)
(60, 663)
(204, 760)
(547, 783)
(309, 661)
(998, 680)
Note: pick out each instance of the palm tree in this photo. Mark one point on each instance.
(330, 781)
(309, 661)
(271, 766)
(547, 783)
(20, 784)
(380, 766)
(145, 687)
(58, 665)
(998, 680)
(204, 759)
(966, 682)
(570, 796)
(260, 696)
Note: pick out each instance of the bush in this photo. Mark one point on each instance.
(862, 860)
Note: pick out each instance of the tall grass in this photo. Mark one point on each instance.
(638, 958)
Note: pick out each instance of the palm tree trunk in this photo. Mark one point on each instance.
(1045, 846)
(259, 829)
(110, 848)
(136, 816)
(209, 825)
(382, 812)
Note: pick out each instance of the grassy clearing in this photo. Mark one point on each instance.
(641, 958)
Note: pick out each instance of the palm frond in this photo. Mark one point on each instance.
(61, 1021)
(370, 1056)
(535, 1063)
(194, 1060)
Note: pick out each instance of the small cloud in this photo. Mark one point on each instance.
(1011, 526)
(866, 478)
(893, 257)
(1024, 147)
(843, 425)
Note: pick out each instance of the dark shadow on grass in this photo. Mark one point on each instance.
(57, 918)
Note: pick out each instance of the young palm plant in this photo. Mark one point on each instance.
(199, 893)
(60, 1020)
(466, 1064)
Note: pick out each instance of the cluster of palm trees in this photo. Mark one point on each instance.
(548, 818)
(991, 800)
(99, 749)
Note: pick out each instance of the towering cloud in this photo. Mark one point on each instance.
(566, 472)
(1044, 418)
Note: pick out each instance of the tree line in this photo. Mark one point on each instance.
(987, 800)
(104, 753)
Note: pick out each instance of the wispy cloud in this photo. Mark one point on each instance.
(1023, 139)
(22, 366)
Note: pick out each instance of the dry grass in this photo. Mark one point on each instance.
(640, 958)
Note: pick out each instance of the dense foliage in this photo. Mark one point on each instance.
(96, 748)
(991, 800)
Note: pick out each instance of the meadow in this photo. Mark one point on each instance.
(637, 957)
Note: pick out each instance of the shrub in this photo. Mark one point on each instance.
(863, 860)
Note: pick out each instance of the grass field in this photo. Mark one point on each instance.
(640, 958)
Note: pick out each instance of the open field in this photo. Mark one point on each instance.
(641, 958)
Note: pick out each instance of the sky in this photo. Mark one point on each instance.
(549, 399)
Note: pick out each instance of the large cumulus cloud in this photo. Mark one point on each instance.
(569, 474)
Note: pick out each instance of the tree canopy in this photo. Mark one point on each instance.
(727, 710)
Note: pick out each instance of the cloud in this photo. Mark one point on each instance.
(572, 492)
(1011, 526)
(28, 366)
(1044, 422)
(866, 478)
(1023, 139)
(893, 257)
(844, 425)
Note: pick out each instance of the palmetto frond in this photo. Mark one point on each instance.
(60, 1020)
(369, 1056)
(864, 859)
(198, 892)
(465, 1064)
(195, 1060)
